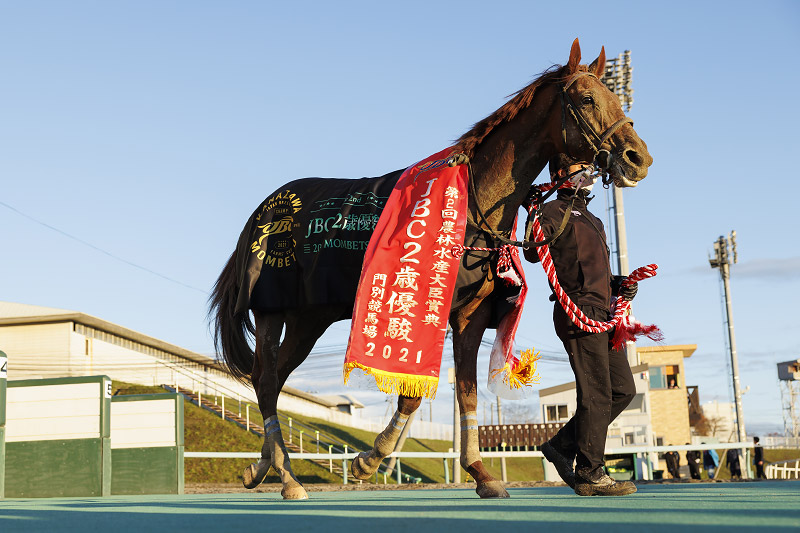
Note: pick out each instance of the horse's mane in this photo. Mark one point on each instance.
(519, 101)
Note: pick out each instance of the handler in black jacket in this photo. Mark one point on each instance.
(603, 378)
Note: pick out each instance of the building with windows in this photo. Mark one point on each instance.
(632, 427)
(668, 396)
(658, 414)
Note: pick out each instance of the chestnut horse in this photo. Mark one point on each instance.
(565, 110)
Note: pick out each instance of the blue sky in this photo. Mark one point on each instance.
(151, 130)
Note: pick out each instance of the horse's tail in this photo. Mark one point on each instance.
(231, 329)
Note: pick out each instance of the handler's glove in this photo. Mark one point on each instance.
(629, 291)
(626, 292)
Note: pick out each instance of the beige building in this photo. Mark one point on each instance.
(669, 409)
(658, 414)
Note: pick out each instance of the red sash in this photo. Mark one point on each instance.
(408, 278)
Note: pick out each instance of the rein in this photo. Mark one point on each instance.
(525, 244)
(602, 161)
(509, 246)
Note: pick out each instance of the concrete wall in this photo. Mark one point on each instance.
(37, 351)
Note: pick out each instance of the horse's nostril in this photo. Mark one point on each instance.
(634, 157)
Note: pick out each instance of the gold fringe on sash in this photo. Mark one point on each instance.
(523, 373)
(397, 383)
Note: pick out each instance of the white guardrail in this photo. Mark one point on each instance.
(782, 470)
(450, 455)
(638, 451)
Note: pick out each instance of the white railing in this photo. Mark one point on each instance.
(640, 452)
(780, 442)
(783, 469)
(349, 456)
(209, 384)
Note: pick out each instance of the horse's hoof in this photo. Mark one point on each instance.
(359, 467)
(254, 474)
(294, 491)
(492, 489)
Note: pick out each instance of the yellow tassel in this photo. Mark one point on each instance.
(396, 383)
(523, 373)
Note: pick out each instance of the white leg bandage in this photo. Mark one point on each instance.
(469, 439)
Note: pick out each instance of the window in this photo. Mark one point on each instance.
(665, 377)
(672, 373)
(556, 413)
(657, 378)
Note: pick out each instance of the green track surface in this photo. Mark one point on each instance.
(757, 506)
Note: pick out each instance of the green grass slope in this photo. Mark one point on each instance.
(206, 432)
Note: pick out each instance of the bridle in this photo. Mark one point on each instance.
(602, 157)
(602, 162)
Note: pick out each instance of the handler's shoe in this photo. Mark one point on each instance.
(598, 483)
(562, 464)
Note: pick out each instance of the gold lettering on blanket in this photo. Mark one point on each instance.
(274, 243)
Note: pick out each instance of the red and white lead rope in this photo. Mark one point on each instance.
(505, 260)
(627, 327)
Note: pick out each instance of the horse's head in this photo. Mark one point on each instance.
(594, 126)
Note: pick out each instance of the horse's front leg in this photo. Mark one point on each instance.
(467, 333)
(366, 463)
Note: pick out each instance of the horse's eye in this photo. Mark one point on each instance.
(587, 100)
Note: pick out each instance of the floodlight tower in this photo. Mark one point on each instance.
(724, 256)
(789, 379)
(618, 77)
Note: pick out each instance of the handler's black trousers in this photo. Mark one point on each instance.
(604, 385)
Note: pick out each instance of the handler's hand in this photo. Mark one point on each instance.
(629, 292)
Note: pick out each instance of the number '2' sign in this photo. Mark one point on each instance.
(3, 368)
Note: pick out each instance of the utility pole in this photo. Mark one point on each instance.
(618, 78)
(722, 260)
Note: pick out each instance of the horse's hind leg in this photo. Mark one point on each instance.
(366, 463)
(268, 333)
(303, 328)
(467, 335)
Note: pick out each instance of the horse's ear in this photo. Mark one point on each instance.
(598, 66)
(574, 57)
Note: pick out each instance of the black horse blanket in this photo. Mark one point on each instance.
(305, 243)
(305, 246)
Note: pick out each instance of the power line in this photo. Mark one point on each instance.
(92, 246)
